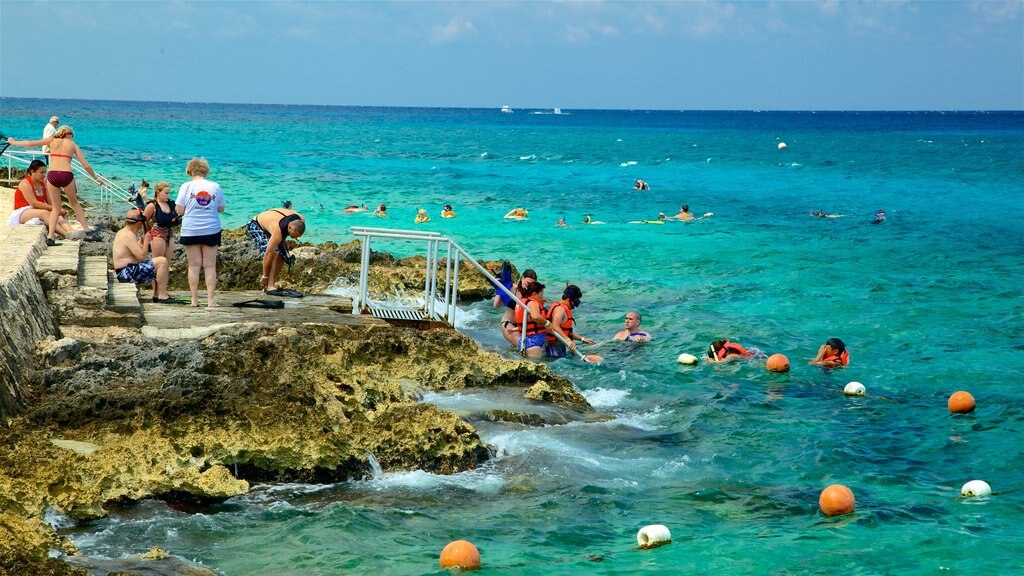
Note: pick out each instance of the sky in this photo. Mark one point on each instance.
(678, 55)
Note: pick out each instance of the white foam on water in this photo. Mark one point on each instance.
(484, 155)
(625, 164)
(476, 480)
(56, 519)
(648, 421)
(530, 157)
(605, 397)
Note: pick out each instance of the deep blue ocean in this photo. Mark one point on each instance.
(732, 458)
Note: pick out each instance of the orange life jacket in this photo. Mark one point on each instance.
(565, 326)
(843, 358)
(731, 348)
(532, 327)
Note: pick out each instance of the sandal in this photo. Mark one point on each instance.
(169, 300)
(275, 292)
(52, 242)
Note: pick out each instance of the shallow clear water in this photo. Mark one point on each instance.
(731, 458)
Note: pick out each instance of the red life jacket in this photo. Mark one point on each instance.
(843, 358)
(565, 326)
(532, 327)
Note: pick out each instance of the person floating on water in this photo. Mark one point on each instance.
(422, 216)
(381, 211)
(724, 350)
(561, 222)
(879, 216)
(822, 214)
(516, 214)
(832, 354)
(633, 333)
(354, 208)
(447, 212)
(586, 219)
(641, 185)
(661, 216)
(684, 213)
(562, 322)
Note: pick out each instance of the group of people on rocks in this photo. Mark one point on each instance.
(144, 247)
(197, 211)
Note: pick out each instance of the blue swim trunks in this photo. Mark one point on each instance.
(556, 350)
(137, 273)
(534, 341)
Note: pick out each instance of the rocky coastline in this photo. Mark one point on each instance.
(104, 415)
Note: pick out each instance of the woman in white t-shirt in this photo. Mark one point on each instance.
(200, 203)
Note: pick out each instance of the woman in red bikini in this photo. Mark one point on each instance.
(62, 149)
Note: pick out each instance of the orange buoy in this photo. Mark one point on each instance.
(460, 554)
(836, 500)
(961, 402)
(778, 363)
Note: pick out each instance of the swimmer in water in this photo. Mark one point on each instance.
(586, 219)
(354, 208)
(641, 185)
(447, 212)
(561, 222)
(633, 333)
(422, 216)
(516, 214)
(879, 216)
(381, 211)
(724, 350)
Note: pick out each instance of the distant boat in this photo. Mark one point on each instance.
(558, 111)
(506, 110)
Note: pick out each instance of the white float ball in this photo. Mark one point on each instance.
(653, 536)
(685, 358)
(855, 389)
(782, 145)
(978, 488)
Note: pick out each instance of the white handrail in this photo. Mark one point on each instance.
(433, 242)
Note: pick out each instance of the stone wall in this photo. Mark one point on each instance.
(25, 316)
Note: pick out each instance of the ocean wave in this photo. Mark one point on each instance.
(530, 157)
(627, 164)
(605, 397)
(480, 480)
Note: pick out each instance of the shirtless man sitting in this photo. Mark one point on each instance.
(269, 231)
(633, 333)
(130, 260)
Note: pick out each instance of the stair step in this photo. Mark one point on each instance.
(123, 297)
(62, 260)
(94, 272)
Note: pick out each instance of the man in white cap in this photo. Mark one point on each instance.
(48, 131)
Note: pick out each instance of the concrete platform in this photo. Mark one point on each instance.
(181, 321)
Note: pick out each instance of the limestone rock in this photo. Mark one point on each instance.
(55, 352)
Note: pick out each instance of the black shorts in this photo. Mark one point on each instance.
(207, 240)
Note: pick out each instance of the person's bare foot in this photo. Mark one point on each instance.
(213, 305)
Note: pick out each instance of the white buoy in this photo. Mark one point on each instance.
(782, 145)
(855, 389)
(685, 358)
(653, 536)
(978, 488)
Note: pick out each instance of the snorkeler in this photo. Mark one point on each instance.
(641, 185)
(447, 212)
(561, 222)
(879, 216)
(381, 211)
(723, 350)
(516, 214)
(422, 216)
(832, 354)
(354, 208)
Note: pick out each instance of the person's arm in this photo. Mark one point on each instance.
(29, 143)
(817, 360)
(268, 258)
(150, 212)
(88, 168)
(537, 315)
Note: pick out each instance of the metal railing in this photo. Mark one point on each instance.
(109, 191)
(436, 306)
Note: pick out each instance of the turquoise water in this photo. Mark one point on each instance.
(731, 459)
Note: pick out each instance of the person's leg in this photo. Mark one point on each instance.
(158, 246)
(31, 213)
(210, 270)
(275, 269)
(72, 191)
(160, 286)
(53, 194)
(194, 252)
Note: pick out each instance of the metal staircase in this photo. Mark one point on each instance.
(109, 191)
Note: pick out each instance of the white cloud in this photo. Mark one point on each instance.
(456, 28)
(998, 11)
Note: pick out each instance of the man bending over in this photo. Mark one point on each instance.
(130, 260)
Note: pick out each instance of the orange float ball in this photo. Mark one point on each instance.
(961, 403)
(460, 554)
(836, 500)
(778, 363)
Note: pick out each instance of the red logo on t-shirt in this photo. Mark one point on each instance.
(203, 198)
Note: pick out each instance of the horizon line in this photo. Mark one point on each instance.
(411, 107)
